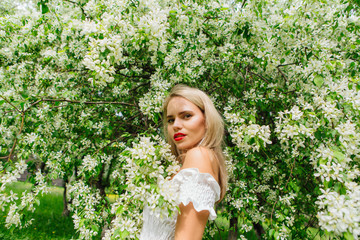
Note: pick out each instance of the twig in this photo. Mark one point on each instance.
(308, 223)
(100, 102)
(211, 37)
(316, 234)
(259, 76)
(243, 4)
(278, 68)
(18, 110)
(33, 104)
(221, 85)
(15, 142)
(287, 64)
(140, 76)
(245, 76)
(74, 101)
(80, 6)
(97, 151)
(140, 85)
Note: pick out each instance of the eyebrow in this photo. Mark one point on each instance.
(180, 113)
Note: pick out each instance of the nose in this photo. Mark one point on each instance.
(177, 125)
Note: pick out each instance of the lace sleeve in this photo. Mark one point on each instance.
(199, 188)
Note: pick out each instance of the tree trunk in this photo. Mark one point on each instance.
(233, 233)
(100, 183)
(259, 230)
(65, 202)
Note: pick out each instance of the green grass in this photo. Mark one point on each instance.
(48, 222)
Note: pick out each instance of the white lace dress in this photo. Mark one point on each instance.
(191, 186)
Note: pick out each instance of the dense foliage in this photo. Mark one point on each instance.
(81, 88)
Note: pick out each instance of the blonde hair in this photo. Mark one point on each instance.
(214, 123)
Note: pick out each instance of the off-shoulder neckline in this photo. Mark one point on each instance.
(198, 171)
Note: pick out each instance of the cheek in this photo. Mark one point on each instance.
(203, 127)
(169, 129)
(200, 125)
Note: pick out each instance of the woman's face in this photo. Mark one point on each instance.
(185, 123)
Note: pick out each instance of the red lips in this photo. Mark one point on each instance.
(179, 136)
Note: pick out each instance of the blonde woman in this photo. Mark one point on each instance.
(195, 130)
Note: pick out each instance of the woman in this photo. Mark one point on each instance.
(194, 129)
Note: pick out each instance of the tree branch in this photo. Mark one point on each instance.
(281, 72)
(15, 142)
(74, 101)
(243, 4)
(18, 110)
(111, 142)
(259, 76)
(287, 64)
(140, 76)
(80, 6)
(139, 86)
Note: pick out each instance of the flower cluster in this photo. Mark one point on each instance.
(340, 213)
(148, 166)
(247, 136)
(84, 205)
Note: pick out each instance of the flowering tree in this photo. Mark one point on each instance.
(81, 88)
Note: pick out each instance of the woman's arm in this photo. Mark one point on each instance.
(190, 223)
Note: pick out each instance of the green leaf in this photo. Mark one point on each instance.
(339, 155)
(318, 80)
(327, 184)
(124, 234)
(253, 118)
(236, 190)
(95, 228)
(161, 201)
(119, 210)
(116, 233)
(9, 168)
(24, 95)
(82, 222)
(276, 235)
(348, 236)
(247, 138)
(294, 186)
(44, 8)
(172, 12)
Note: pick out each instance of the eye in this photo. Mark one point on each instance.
(170, 120)
(187, 116)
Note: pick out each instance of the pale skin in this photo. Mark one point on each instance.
(186, 118)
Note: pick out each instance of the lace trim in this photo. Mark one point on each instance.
(199, 188)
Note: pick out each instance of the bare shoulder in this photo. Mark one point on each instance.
(203, 159)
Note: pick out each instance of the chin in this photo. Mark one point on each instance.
(184, 148)
(180, 147)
